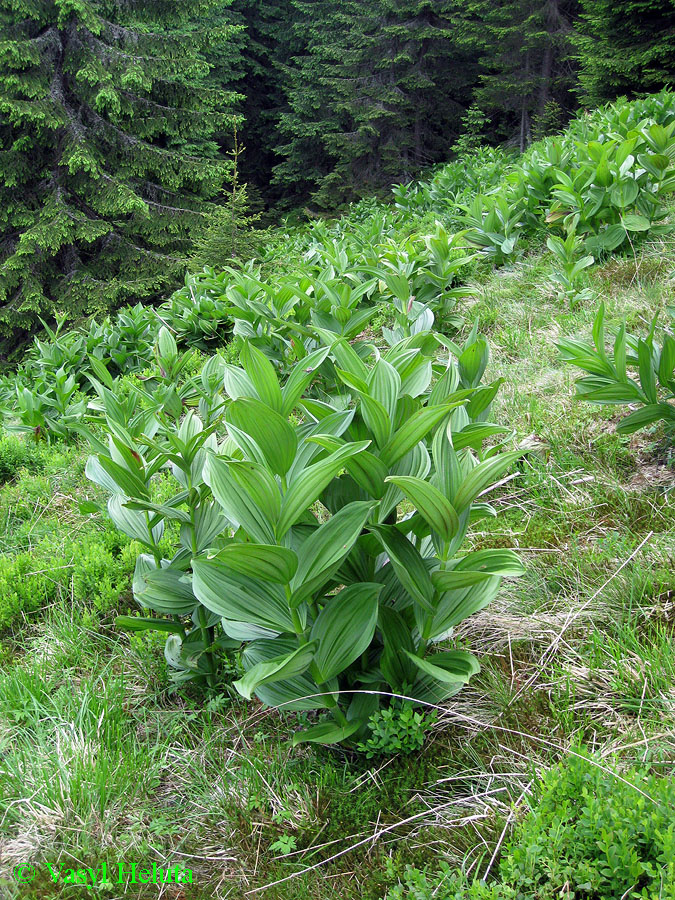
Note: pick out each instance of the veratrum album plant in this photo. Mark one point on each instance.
(325, 542)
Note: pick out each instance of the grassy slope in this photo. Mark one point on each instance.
(98, 761)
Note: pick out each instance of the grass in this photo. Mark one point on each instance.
(100, 760)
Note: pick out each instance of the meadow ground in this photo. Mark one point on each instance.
(101, 762)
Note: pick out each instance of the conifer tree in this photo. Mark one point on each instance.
(525, 51)
(625, 48)
(107, 158)
(271, 40)
(378, 93)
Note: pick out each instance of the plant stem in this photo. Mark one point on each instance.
(208, 644)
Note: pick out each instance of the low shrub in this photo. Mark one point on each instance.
(591, 834)
(17, 454)
(92, 570)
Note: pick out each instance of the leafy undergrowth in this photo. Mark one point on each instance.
(101, 761)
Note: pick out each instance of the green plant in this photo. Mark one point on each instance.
(396, 729)
(16, 454)
(284, 845)
(616, 189)
(258, 561)
(609, 381)
(446, 884)
(572, 264)
(600, 834)
(493, 225)
(473, 125)
(589, 832)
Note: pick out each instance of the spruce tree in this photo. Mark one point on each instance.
(625, 48)
(378, 93)
(525, 50)
(270, 42)
(107, 158)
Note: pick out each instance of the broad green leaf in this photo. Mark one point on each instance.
(646, 415)
(324, 550)
(237, 383)
(344, 354)
(326, 733)
(646, 370)
(266, 561)
(384, 385)
(299, 692)
(409, 566)
(279, 668)
(301, 375)
(416, 462)
(263, 377)
(260, 484)
(430, 503)
(476, 567)
(456, 605)
(396, 636)
(209, 523)
(271, 432)
(667, 362)
(166, 343)
(473, 362)
(133, 522)
(140, 623)
(624, 193)
(603, 175)
(237, 597)
(376, 418)
(399, 286)
(449, 666)
(307, 487)
(344, 629)
(635, 223)
(474, 434)
(237, 503)
(413, 430)
(101, 371)
(611, 238)
(96, 473)
(126, 482)
(601, 390)
(483, 476)
(165, 590)
(620, 352)
(367, 470)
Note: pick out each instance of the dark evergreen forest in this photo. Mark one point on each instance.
(128, 130)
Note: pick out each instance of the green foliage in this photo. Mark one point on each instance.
(446, 884)
(256, 560)
(397, 729)
(525, 54)
(624, 48)
(600, 834)
(606, 180)
(494, 226)
(230, 235)
(93, 570)
(16, 454)
(473, 127)
(572, 264)
(363, 94)
(609, 381)
(590, 832)
(615, 189)
(108, 161)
